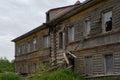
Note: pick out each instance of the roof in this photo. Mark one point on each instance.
(75, 10)
(39, 27)
(62, 7)
(78, 2)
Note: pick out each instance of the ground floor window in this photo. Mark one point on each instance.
(109, 64)
(88, 65)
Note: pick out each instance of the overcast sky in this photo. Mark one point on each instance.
(20, 16)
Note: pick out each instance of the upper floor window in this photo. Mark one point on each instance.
(28, 46)
(18, 49)
(107, 21)
(46, 41)
(87, 27)
(34, 44)
(61, 39)
(71, 34)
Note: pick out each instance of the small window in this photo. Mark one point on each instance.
(61, 39)
(34, 44)
(46, 41)
(71, 34)
(18, 50)
(28, 46)
(107, 21)
(87, 26)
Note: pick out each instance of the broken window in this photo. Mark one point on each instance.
(87, 26)
(71, 34)
(109, 64)
(46, 41)
(107, 21)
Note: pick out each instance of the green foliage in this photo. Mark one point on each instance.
(9, 76)
(61, 74)
(106, 78)
(43, 73)
(6, 65)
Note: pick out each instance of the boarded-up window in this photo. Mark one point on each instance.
(87, 27)
(71, 34)
(107, 21)
(109, 64)
(46, 41)
(88, 65)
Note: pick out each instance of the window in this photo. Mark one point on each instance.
(28, 46)
(109, 64)
(34, 44)
(87, 27)
(107, 21)
(88, 65)
(18, 49)
(71, 34)
(61, 39)
(46, 42)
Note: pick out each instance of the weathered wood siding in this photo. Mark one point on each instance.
(29, 54)
(97, 43)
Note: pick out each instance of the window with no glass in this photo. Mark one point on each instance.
(107, 21)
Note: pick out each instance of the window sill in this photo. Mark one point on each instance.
(46, 48)
(73, 42)
(102, 34)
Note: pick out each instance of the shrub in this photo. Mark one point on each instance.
(9, 76)
(61, 74)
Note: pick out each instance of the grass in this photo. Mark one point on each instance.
(9, 76)
(61, 74)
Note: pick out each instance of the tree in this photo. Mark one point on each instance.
(6, 65)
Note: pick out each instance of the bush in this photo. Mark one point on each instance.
(106, 78)
(9, 76)
(61, 74)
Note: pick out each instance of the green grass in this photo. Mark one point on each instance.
(106, 78)
(9, 76)
(62, 74)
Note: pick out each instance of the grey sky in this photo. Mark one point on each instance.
(20, 16)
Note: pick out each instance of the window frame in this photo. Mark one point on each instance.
(71, 34)
(104, 23)
(87, 28)
(105, 67)
(46, 40)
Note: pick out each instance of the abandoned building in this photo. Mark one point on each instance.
(88, 33)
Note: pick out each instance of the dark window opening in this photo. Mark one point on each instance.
(109, 25)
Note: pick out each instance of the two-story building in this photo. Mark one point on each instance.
(32, 49)
(89, 31)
